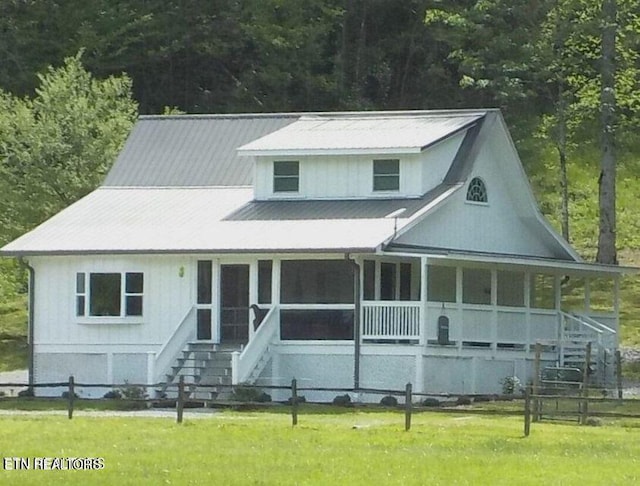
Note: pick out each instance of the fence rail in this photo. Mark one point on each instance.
(532, 407)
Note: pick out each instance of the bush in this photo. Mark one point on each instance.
(113, 395)
(249, 393)
(389, 401)
(431, 402)
(482, 398)
(132, 392)
(511, 385)
(342, 400)
(27, 392)
(301, 399)
(463, 401)
(65, 394)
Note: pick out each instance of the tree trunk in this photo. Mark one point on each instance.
(607, 180)
(561, 145)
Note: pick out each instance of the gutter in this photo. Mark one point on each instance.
(31, 320)
(356, 321)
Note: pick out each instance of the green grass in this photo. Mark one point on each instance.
(13, 334)
(350, 448)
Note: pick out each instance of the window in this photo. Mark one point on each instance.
(441, 284)
(104, 296)
(265, 270)
(286, 176)
(316, 282)
(476, 286)
(510, 289)
(386, 175)
(477, 191)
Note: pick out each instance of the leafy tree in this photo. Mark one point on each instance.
(57, 146)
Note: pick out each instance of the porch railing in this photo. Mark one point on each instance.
(243, 364)
(392, 320)
(185, 332)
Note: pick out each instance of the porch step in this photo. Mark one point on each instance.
(201, 363)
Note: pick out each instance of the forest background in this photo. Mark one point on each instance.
(74, 74)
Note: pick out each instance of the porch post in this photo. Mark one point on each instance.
(494, 310)
(253, 293)
(275, 288)
(424, 311)
(215, 300)
(587, 295)
(460, 312)
(527, 307)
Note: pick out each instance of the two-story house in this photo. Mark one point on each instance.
(363, 250)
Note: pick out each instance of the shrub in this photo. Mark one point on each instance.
(594, 422)
(301, 399)
(65, 394)
(463, 401)
(342, 400)
(482, 398)
(249, 393)
(27, 392)
(511, 385)
(113, 394)
(431, 402)
(132, 392)
(389, 401)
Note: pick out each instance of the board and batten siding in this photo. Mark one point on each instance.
(505, 224)
(168, 295)
(351, 176)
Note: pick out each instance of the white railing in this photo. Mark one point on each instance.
(579, 325)
(242, 364)
(185, 332)
(390, 320)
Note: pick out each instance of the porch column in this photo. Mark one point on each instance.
(253, 293)
(460, 324)
(494, 310)
(215, 300)
(275, 290)
(587, 295)
(527, 307)
(424, 311)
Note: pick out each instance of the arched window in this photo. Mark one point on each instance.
(477, 191)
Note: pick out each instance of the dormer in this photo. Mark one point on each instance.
(361, 156)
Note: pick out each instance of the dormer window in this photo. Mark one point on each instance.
(386, 175)
(477, 191)
(286, 176)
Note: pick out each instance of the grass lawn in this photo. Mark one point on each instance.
(13, 334)
(348, 448)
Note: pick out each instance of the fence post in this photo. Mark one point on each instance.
(407, 407)
(180, 402)
(294, 402)
(619, 373)
(527, 411)
(71, 396)
(536, 382)
(585, 385)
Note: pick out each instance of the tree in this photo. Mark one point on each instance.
(57, 146)
(607, 181)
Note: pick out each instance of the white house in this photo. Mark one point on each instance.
(380, 248)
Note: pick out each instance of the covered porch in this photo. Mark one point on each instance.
(431, 305)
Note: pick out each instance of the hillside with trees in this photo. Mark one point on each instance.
(565, 73)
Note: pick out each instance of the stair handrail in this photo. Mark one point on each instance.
(580, 321)
(181, 335)
(596, 323)
(242, 363)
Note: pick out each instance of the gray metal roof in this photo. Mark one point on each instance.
(332, 209)
(187, 150)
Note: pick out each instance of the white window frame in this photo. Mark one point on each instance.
(385, 176)
(277, 177)
(85, 295)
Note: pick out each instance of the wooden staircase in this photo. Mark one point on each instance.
(577, 332)
(201, 363)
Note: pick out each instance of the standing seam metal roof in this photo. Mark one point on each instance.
(183, 151)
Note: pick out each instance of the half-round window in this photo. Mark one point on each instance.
(477, 191)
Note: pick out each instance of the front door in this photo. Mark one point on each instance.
(234, 304)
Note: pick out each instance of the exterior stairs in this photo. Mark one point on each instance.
(576, 334)
(201, 363)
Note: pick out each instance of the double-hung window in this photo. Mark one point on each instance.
(109, 294)
(386, 175)
(286, 176)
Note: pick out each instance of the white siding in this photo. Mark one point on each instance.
(334, 177)
(504, 225)
(437, 160)
(167, 297)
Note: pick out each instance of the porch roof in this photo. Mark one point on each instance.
(508, 260)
